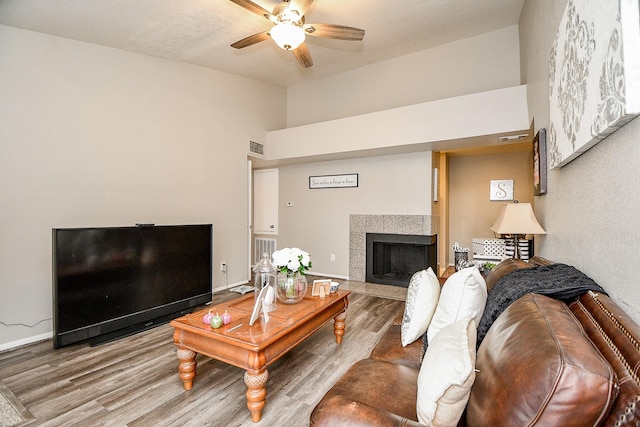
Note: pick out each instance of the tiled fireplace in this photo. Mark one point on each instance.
(360, 225)
(392, 259)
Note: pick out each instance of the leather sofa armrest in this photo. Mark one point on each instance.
(502, 269)
(538, 260)
(340, 411)
(390, 349)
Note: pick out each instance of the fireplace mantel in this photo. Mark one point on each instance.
(361, 224)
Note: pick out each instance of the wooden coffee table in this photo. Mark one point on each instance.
(253, 348)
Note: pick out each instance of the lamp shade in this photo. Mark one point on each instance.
(517, 218)
(287, 36)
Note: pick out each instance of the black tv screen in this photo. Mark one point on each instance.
(110, 282)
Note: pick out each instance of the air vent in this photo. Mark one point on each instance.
(256, 149)
(263, 246)
(514, 137)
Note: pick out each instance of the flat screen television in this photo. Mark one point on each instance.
(110, 282)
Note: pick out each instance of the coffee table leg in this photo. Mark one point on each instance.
(256, 393)
(187, 366)
(338, 326)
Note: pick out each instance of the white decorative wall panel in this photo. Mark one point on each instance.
(594, 75)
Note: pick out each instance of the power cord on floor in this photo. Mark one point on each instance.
(24, 324)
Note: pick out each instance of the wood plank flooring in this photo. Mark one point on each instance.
(134, 381)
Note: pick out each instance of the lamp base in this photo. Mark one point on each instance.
(522, 247)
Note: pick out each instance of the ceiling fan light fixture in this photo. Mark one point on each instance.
(287, 36)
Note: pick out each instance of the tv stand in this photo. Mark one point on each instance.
(137, 328)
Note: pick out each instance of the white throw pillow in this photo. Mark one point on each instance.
(463, 295)
(422, 298)
(447, 374)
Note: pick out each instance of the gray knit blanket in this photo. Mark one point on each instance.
(559, 281)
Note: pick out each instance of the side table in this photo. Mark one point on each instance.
(446, 274)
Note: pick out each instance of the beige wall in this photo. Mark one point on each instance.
(591, 210)
(318, 222)
(93, 136)
(486, 62)
(471, 213)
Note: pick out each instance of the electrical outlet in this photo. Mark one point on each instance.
(223, 266)
(333, 257)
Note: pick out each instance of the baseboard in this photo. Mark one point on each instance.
(26, 341)
(229, 286)
(331, 276)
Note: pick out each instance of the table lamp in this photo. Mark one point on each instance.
(517, 219)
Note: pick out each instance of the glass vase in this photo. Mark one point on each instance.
(264, 275)
(291, 287)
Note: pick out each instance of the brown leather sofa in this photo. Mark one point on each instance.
(541, 363)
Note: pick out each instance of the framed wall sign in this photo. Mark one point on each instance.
(501, 189)
(540, 163)
(334, 181)
(436, 187)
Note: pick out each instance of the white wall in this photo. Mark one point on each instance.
(482, 63)
(94, 136)
(591, 210)
(330, 115)
(318, 221)
(415, 127)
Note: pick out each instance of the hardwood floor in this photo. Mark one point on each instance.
(134, 381)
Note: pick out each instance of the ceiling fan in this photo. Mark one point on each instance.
(289, 29)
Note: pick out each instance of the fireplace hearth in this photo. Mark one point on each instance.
(392, 259)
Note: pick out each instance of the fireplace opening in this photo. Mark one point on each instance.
(392, 259)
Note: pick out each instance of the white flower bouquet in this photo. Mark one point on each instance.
(291, 260)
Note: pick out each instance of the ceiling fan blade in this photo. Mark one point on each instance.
(332, 31)
(258, 10)
(251, 40)
(303, 55)
(300, 5)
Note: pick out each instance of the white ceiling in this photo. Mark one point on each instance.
(200, 32)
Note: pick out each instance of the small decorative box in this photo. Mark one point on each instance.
(488, 247)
